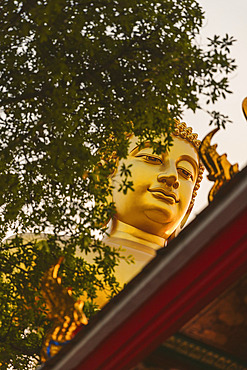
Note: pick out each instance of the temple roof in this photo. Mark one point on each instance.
(206, 258)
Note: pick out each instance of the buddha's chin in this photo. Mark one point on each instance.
(158, 216)
(158, 222)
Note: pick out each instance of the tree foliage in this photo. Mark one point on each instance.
(76, 76)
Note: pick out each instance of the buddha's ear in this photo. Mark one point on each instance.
(180, 227)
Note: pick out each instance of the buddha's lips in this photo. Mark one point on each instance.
(165, 193)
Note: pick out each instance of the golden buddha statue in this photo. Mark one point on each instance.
(165, 187)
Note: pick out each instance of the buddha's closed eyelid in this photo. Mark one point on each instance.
(149, 158)
(185, 172)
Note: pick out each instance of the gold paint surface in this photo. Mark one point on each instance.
(146, 217)
(163, 187)
(244, 107)
(219, 168)
(66, 314)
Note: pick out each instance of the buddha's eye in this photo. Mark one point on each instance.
(185, 173)
(150, 158)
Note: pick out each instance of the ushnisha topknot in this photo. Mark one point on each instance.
(181, 130)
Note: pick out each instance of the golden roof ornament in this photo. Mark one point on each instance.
(244, 107)
(66, 314)
(219, 168)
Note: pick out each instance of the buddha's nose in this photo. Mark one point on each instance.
(170, 178)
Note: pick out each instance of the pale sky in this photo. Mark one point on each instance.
(221, 17)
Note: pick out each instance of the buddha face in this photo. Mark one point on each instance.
(163, 187)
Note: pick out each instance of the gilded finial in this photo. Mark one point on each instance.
(219, 168)
(244, 107)
(67, 315)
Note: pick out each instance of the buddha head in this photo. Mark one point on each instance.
(165, 185)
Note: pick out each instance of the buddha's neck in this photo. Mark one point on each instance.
(124, 231)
